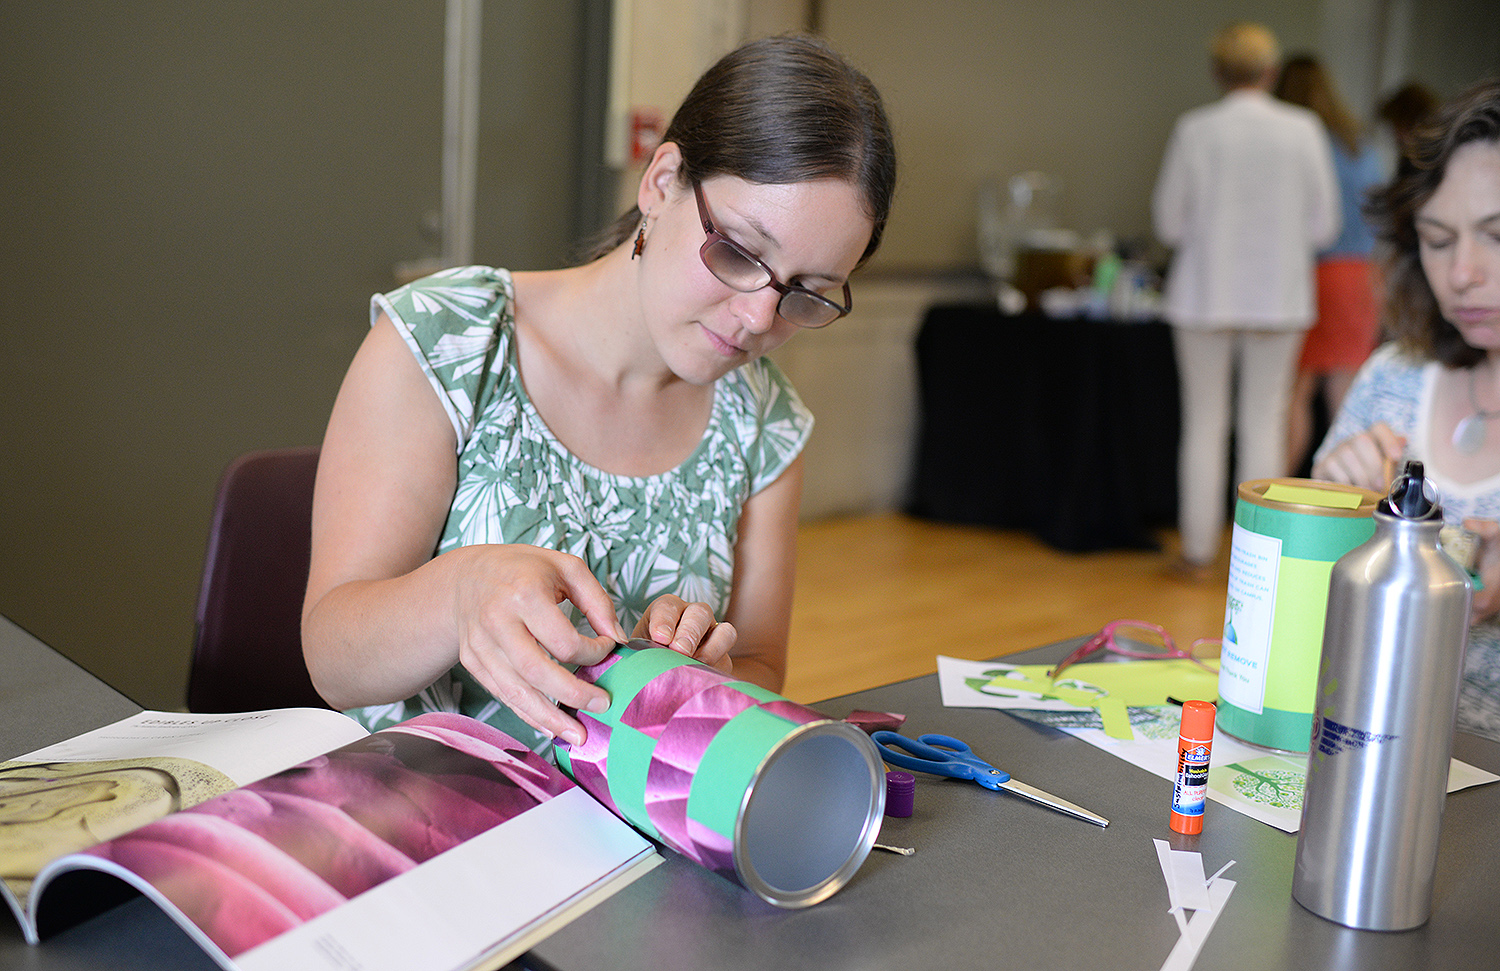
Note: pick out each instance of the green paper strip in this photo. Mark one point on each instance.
(1297, 633)
(1022, 680)
(1304, 535)
(629, 759)
(1139, 683)
(626, 677)
(729, 764)
(1076, 696)
(1272, 727)
(1116, 718)
(761, 695)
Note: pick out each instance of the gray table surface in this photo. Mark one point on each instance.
(996, 882)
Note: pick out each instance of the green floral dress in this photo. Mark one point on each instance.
(641, 536)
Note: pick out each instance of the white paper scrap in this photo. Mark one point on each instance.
(1191, 942)
(989, 688)
(1188, 890)
(1183, 870)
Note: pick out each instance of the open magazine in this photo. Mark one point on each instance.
(296, 839)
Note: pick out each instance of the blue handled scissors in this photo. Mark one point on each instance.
(947, 756)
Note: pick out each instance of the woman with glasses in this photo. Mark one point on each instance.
(1433, 393)
(522, 468)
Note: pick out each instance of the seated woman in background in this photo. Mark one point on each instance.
(1433, 393)
(608, 434)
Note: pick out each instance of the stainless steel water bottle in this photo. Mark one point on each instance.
(1377, 771)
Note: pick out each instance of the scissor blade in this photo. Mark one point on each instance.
(1051, 801)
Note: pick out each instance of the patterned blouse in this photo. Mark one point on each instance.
(640, 536)
(1396, 388)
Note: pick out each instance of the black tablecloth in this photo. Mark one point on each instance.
(1063, 427)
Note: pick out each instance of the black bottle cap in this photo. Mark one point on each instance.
(1409, 497)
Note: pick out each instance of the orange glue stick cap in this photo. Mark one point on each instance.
(1198, 721)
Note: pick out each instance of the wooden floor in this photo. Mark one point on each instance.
(879, 597)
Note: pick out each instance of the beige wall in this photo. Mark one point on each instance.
(988, 88)
(1087, 92)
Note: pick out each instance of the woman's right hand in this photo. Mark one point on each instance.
(1369, 459)
(512, 633)
(383, 618)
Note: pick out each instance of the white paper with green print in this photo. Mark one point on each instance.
(1247, 778)
(1113, 696)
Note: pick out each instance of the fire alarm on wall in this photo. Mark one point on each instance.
(646, 127)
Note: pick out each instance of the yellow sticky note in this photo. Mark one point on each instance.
(1312, 496)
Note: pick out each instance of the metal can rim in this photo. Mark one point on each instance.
(869, 831)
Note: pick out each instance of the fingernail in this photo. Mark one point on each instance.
(573, 736)
(598, 705)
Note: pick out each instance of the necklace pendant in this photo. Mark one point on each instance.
(1469, 435)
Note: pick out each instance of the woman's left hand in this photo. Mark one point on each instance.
(1487, 565)
(688, 628)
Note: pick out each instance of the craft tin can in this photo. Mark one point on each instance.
(1280, 559)
(773, 795)
(1377, 778)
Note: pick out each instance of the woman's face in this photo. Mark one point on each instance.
(809, 233)
(1458, 232)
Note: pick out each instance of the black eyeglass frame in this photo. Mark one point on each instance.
(716, 238)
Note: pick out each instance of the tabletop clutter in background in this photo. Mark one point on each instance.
(1036, 263)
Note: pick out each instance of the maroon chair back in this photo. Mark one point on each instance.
(247, 647)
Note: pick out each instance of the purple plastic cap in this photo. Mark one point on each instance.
(900, 793)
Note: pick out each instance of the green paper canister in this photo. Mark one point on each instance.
(1287, 535)
(773, 795)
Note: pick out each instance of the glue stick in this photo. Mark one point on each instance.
(1194, 743)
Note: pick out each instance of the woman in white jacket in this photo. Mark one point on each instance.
(1247, 195)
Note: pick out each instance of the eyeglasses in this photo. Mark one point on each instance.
(737, 269)
(1157, 644)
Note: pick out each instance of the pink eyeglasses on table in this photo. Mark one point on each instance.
(1160, 645)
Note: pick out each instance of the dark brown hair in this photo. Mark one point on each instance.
(1406, 108)
(1411, 311)
(776, 111)
(1303, 81)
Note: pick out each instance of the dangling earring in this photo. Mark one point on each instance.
(640, 241)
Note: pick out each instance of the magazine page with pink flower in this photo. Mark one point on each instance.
(436, 844)
(84, 790)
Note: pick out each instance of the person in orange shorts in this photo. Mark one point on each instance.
(1346, 328)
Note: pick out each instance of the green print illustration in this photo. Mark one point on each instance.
(1269, 782)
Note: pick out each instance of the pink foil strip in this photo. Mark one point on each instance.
(591, 672)
(660, 698)
(793, 712)
(714, 850)
(677, 755)
(590, 761)
(874, 721)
